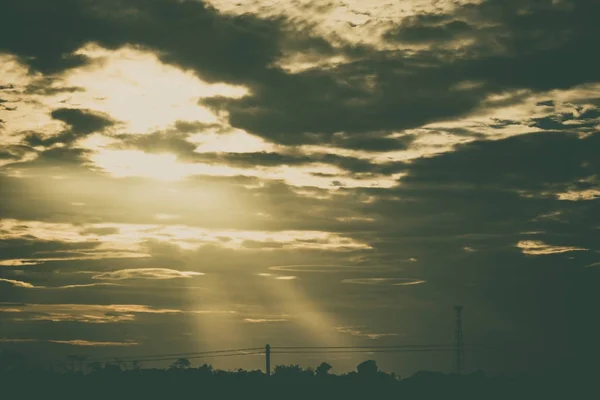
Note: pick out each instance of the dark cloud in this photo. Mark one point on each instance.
(56, 158)
(544, 48)
(31, 247)
(82, 122)
(47, 86)
(584, 121)
(373, 142)
(403, 95)
(159, 142)
(100, 231)
(429, 28)
(5, 155)
(271, 159)
(193, 127)
(176, 142)
(188, 33)
(379, 90)
(533, 162)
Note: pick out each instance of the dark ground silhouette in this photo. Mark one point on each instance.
(181, 380)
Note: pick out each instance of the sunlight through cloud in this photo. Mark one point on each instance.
(135, 87)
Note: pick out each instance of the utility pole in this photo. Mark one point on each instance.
(268, 359)
(460, 346)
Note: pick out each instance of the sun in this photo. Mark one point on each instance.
(125, 163)
(136, 88)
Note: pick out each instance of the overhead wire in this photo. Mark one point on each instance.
(360, 351)
(286, 350)
(176, 355)
(196, 357)
(365, 347)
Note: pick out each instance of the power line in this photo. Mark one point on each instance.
(285, 350)
(185, 354)
(365, 347)
(195, 357)
(174, 355)
(362, 351)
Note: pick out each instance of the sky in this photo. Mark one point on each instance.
(180, 176)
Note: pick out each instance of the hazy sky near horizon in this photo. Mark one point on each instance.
(179, 175)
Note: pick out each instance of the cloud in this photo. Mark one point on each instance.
(286, 278)
(84, 285)
(561, 160)
(75, 256)
(87, 343)
(596, 264)
(82, 122)
(539, 248)
(264, 320)
(202, 312)
(278, 277)
(27, 285)
(76, 342)
(247, 36)
(334, 269)
(429, 28)
(384, 281)
(131, 238)
(579, 195)
(146, 273)
(84, 313)
(353, 331)
(19, 284)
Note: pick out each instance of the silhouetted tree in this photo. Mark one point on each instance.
(292, 372)
(180, 363)
(287, 370)
(95, 366)
(366, 382)
(11, 361)
(113, 368)
(205, 370)
(367, 368)
(323, 369)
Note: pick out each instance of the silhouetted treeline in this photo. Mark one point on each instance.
(81, 380)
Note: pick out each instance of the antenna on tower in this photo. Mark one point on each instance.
(460, 346)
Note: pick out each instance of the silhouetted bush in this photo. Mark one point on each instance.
(111, 381)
